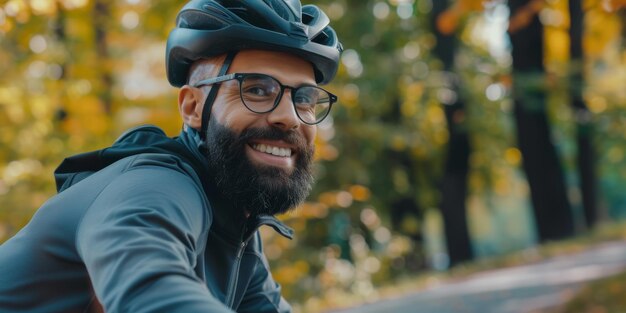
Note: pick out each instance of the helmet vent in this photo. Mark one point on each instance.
(246, 15)
(279, 8)
(306, 18)
(322, 38)
(199, 20)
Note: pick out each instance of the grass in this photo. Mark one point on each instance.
(601, 296)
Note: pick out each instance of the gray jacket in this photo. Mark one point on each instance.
(137, 228)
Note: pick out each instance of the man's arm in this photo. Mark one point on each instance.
(139, 240)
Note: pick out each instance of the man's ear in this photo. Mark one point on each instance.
(190, 106)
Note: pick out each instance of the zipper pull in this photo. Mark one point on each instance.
(242, 247)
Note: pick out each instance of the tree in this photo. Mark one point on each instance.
(454, 181)
(540, 161)
(583, 118)
(101, 17)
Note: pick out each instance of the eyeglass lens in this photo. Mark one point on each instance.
(260, 94)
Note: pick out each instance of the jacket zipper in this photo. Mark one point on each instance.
(234, 278)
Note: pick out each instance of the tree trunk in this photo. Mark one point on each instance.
(551, 208)
(584, 127)
(60, 35)
(454, 183)
(101, 16)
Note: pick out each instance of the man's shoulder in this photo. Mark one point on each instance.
(142, 171)
(159, 181)
(165, 160)
(162, 165)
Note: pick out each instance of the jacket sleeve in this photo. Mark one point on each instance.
(263, 294)
(139, 242)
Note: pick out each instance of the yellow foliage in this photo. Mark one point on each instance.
(41, 107)
(398, 143)
(472, 5)
(289, 274)
(601, 29)
(74, 4)
(326, 152)
(441, 137)
(502, 186)
(410, 225)
(556, 45)
(10, 99)
(349, 96)
(513, 156)
(79, 28)
(167, 118)
(44, 7)
(328, 198)
(18, 9)
(298, 225)
(312, 210)
(6, 26)
(413, 94)
(606, 5)
(435, 114)
(597, 104)
(409, 108)
(359, 192)
(301, 266)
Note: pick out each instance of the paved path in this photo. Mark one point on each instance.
(514, 290)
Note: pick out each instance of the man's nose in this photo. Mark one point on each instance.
(284, 115)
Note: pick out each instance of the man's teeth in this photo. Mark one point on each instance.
(284, 152)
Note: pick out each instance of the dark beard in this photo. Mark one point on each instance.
(252, 188)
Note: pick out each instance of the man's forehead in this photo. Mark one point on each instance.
(279, 64)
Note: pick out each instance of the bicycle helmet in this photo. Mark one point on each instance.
(206, 28)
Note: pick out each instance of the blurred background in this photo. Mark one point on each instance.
(465, 129)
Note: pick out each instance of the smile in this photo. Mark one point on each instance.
(277, 151)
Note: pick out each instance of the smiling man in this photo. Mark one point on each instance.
(257, 115)
(159, 224)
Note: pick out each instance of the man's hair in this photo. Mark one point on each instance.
(205, 68)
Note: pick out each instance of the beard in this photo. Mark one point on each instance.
(254, 188)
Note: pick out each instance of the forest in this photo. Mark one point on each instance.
(464, 129)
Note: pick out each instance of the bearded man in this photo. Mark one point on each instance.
(159, 224)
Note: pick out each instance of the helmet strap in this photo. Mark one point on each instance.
(208, 103)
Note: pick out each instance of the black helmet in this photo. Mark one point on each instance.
(206, 28)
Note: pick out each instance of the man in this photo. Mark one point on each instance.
(158, 224)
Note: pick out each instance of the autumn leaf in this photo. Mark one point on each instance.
(448, 21)
(524, 15)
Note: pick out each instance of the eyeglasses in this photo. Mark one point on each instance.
(261, 93)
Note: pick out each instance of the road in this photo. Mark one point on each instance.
(522, 289)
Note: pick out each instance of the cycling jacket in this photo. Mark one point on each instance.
(137, 227)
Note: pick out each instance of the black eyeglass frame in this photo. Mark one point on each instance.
(241, 76)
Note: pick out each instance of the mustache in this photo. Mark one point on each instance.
(270, 133)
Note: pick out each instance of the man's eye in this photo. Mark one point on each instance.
(304, 100)
(257, 91)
